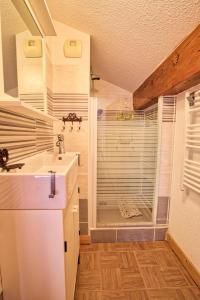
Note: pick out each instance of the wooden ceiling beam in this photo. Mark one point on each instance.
(180, 71)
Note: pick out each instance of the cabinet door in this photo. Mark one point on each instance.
(75, 200)
(70, 251)
(32, 255)
(71, 229)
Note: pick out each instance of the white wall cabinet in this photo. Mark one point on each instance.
(33, 260)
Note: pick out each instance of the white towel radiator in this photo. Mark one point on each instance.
(191, 172)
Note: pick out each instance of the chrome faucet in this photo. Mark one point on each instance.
(60, 143)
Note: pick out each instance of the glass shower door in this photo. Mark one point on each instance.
(126, 167)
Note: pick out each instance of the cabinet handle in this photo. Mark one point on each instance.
(75, 209)
(53, 184)
(65, 246)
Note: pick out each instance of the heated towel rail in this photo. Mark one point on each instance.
(191, 173)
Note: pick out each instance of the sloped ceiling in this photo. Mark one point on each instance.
(130, 38)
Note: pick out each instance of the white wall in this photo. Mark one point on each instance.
(184, 219)
(70, 75)
(111, 96)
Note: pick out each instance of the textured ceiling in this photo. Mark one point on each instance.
(130, 38)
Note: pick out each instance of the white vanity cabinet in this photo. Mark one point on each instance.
(39, 251)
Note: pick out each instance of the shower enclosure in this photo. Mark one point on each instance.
(126, 167)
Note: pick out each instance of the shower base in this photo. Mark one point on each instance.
(113, 218)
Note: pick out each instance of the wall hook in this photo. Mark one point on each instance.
(72, 117)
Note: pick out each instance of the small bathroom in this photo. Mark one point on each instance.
(99, 150)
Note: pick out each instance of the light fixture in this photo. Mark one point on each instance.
(33, 48)
(72, 48)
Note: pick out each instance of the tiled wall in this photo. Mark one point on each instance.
(61, 104)
(127, 235)
(24, 135)
(36, 100)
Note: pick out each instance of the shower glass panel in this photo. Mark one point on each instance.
(126, 166)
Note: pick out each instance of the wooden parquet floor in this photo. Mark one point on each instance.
(132, 271)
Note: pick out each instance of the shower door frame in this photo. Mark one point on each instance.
(92, 162)
(92, 169)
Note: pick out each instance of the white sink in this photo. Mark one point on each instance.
(30, 187)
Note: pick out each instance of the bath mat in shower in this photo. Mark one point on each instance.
(128, 210)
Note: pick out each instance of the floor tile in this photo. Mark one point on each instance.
(128, 261)
(110, 260)
(192, 293)
(92, 247)
(89, 280)
(89, 261)
(162, 294)
(138, 295)
(152, 277)
(165, 258)
(146, 258)
(87, 295)
(118, 295)
(131, 280)
(173, 277)
(120, 246)
(125, 295)
(151, 245)
(162, 258)
(111, 279)
(187, 276)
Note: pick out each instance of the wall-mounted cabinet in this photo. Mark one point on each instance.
(23, 52)
(30, 56)
(11, 25)
(35, 67)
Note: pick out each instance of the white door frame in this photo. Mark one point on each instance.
(92, 161)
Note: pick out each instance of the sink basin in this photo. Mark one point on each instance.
(31, 187)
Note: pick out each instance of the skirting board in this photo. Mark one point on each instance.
(85, 240)
(184, 259)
